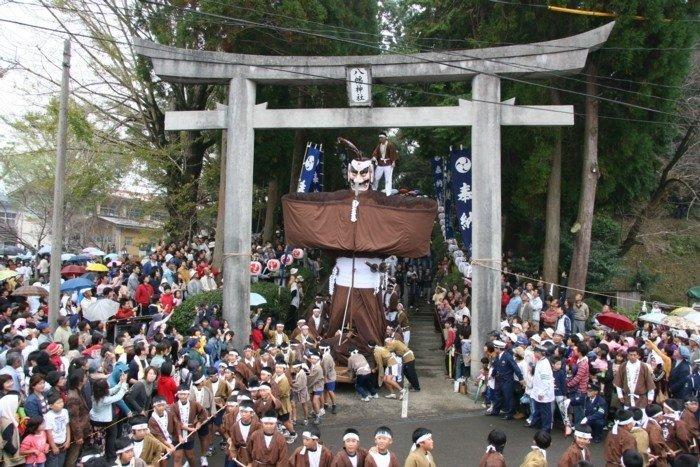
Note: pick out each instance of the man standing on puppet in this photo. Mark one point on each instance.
(386, 156)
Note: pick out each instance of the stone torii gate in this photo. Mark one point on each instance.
(486, 113)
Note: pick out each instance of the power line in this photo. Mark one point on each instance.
(344, 80)
(509, 78)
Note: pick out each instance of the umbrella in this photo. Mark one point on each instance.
(6, 274)
(30, 291)
(679, 322)
(256, 299)
(616, 321)
(101, 310)
(111, 256)
(91, 276)
(656, 318)
(80, 259)
(96, 267)
(67, 256)
(75, 284)
(114, 264)
(46, 249)
(93, 251)
(682, 311)
(24, 256)
(73, 269)
(693, 317)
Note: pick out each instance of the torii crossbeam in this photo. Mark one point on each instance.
(485, 113)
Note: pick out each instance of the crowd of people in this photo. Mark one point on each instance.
(551, 364)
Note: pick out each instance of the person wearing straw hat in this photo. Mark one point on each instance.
(423, 444)
(312, 453)
(266, 446)
(351, 455)
(619, 439)
(379, 454)
(125, 454)
(146, 446)
(578, 450)
(238, 432)
(188, 416)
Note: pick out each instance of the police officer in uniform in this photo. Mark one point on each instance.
(595, 412)
(505, 371)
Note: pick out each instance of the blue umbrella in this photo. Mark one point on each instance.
(75, 284)
(80, 259)
(111, 256)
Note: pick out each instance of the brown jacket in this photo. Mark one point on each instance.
(197, 416)
(391, 154)
(262, 456)
(153, 450)
(369, 460)
(615, 445)
(299, 459)
(645, 383)
(573, 455)
(78, 415)
(237, 445)
(492, 459)
(342, 459)
(158, 433)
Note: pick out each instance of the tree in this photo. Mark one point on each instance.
(94, 165)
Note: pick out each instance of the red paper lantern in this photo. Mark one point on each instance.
(297, 253)
(255, 268)
(273, 265)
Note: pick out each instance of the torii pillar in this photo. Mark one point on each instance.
(486, 113)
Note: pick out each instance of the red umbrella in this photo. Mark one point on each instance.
(73, 269)
(616, 321)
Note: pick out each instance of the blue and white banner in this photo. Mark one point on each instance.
(309, 170)
(438, 179)
(317, 180)
(461, 171)
(447, 195)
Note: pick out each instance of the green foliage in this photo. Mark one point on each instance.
(604, 264)
(643, 278)
(277, 304)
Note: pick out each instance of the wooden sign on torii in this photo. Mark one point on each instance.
(485, 113)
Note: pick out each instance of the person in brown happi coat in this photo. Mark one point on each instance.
(680, 438)
(659, 450)
(619, 439)
(637, 375)
(379, 454)
(238, 432)
(267, 447)
(493, 457)
(161, 424)
(146, 446)
(311, 453)
(640, 435)
(266, 401)
(352, 455)
(188, 416)
(690, 419)
(423, 444)
(578, 451)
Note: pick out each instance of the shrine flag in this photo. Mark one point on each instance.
(461, 170)
(317, 180)
(309, 168)
(438, 175)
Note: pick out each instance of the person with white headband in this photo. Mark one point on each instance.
(379, 454)
(267, 447)
(125, 454)
(538, 452)
(146, 446)
(284, 389)
(201, 392)
(329, 377)
(360, 369)
(161, 424)
(659, 451)
(578, 451)
(423, 444)
(300, 392)
(493, 457)
(679, 438)
(689, 416)
(312, 453)
(351, 455)
(188, 417)
(619, 439)
(237, 432)
(316, 384)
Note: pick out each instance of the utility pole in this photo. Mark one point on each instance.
(57, 223)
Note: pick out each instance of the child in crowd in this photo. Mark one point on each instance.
(34, 446)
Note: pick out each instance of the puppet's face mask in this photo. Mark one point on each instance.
(360, 175)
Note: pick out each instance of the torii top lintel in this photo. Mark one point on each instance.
(561, 56)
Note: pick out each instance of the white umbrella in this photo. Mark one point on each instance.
(67, 256)
(101, 310)
(256, 299)
(656, 318)
(693, 316)
(93, 251)
(46, 249)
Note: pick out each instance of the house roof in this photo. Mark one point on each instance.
(130, 223)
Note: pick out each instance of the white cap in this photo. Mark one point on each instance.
(499, 344)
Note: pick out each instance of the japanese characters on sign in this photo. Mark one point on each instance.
(359, 86)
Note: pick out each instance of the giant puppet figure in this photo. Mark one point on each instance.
(360, 227)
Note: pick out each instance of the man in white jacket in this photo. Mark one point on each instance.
(542, 391)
